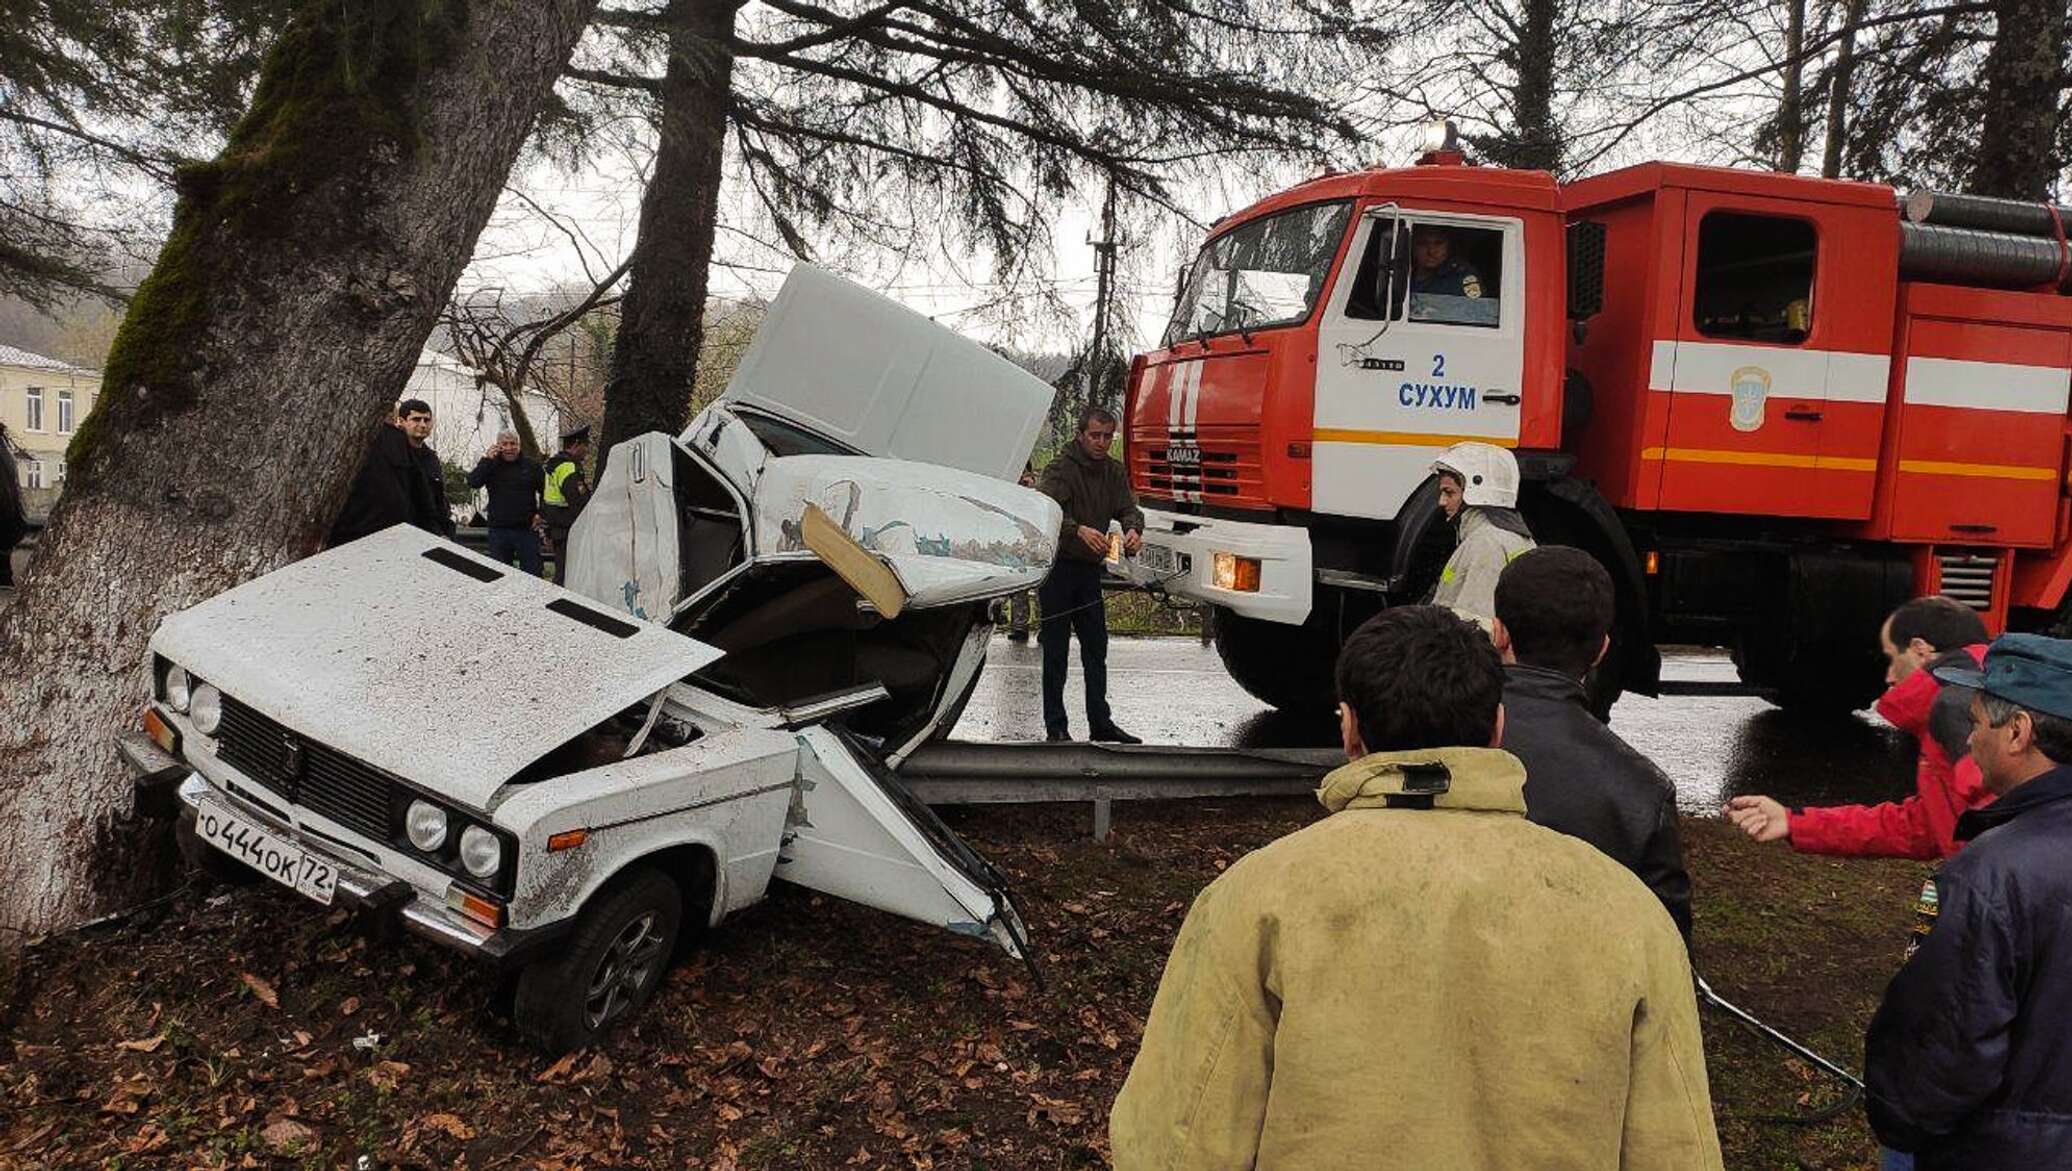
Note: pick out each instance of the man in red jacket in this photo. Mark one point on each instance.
(1920, 635)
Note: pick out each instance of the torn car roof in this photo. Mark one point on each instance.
(878, 378)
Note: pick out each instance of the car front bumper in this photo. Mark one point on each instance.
(167, 787)
(1180, 555)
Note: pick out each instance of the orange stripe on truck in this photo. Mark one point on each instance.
(1757, 459)
(1930, 467)
(1403, 438)
(1780, 459)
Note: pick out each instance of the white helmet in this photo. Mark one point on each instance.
(1488, 474)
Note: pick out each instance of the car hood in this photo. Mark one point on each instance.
(879, 379)
(425, 660)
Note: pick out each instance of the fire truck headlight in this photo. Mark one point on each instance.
(1239, 574)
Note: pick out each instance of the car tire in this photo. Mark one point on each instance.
(612, 964)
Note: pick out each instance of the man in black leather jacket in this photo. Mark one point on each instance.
(1553, 622)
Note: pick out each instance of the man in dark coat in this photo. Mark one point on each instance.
(416, 415)
(1093, 490)
(390, 489)
(1965, 1063)
(1553, 623)
(514, 502)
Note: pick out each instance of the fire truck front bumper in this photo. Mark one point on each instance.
(1259, 571)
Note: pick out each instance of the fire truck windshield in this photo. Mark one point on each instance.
(1260, 274)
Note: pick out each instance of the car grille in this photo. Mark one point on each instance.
(324, 781)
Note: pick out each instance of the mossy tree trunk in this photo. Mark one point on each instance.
(304, 270)
(662, 320)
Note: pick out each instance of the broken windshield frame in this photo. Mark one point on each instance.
(785, 438)
(1262, 274)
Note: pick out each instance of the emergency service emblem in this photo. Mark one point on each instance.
(1751, 388)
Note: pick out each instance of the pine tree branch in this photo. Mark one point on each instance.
(614, 80)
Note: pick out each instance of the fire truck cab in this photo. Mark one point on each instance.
(1773, 407)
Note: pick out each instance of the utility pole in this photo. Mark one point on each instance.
(1104, 292)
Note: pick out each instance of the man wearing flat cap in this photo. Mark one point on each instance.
(563, 492)
(1967, 1064)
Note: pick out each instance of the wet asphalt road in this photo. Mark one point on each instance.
(1174, 691)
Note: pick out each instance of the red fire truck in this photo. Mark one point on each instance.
(1772, 406)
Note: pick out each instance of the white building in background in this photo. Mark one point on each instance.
(42, 401)
(467, 417)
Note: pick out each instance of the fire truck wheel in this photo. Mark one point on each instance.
(1606, 682)
(1825, 694)
(1286, 667)
(1807, 686)
(609, 968)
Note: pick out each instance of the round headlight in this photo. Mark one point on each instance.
(426, 824)
(480, 851)
(205, 705)
(179, 690)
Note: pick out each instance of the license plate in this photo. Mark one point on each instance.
(283, 861)
(1158, 558)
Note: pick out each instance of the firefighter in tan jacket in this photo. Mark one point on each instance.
(1424, 979)
(1478, 492)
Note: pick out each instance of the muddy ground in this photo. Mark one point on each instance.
(244, 1028)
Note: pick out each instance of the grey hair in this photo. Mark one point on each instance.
(503, 435)
(2052, 734)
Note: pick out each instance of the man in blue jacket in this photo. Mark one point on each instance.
(1966, 1061)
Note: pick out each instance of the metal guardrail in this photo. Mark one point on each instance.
(961, 772)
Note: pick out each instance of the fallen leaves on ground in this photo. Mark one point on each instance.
(261, 989)
(807, 1032)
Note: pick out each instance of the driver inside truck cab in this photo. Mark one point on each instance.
(1435, 270)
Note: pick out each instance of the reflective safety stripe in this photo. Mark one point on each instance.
(557, 475)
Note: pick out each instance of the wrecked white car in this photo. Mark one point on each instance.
(766, 614)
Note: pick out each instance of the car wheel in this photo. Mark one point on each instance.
(611, 966)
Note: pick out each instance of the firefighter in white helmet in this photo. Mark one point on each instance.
(1478, 491)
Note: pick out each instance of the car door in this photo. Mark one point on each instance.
(857, 833)
(661, 525)
(1403, 372)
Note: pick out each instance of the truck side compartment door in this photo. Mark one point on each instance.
(1772, 412)
(857, 833)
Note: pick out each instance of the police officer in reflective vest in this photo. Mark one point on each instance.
(1436, 271)
(564, 493)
